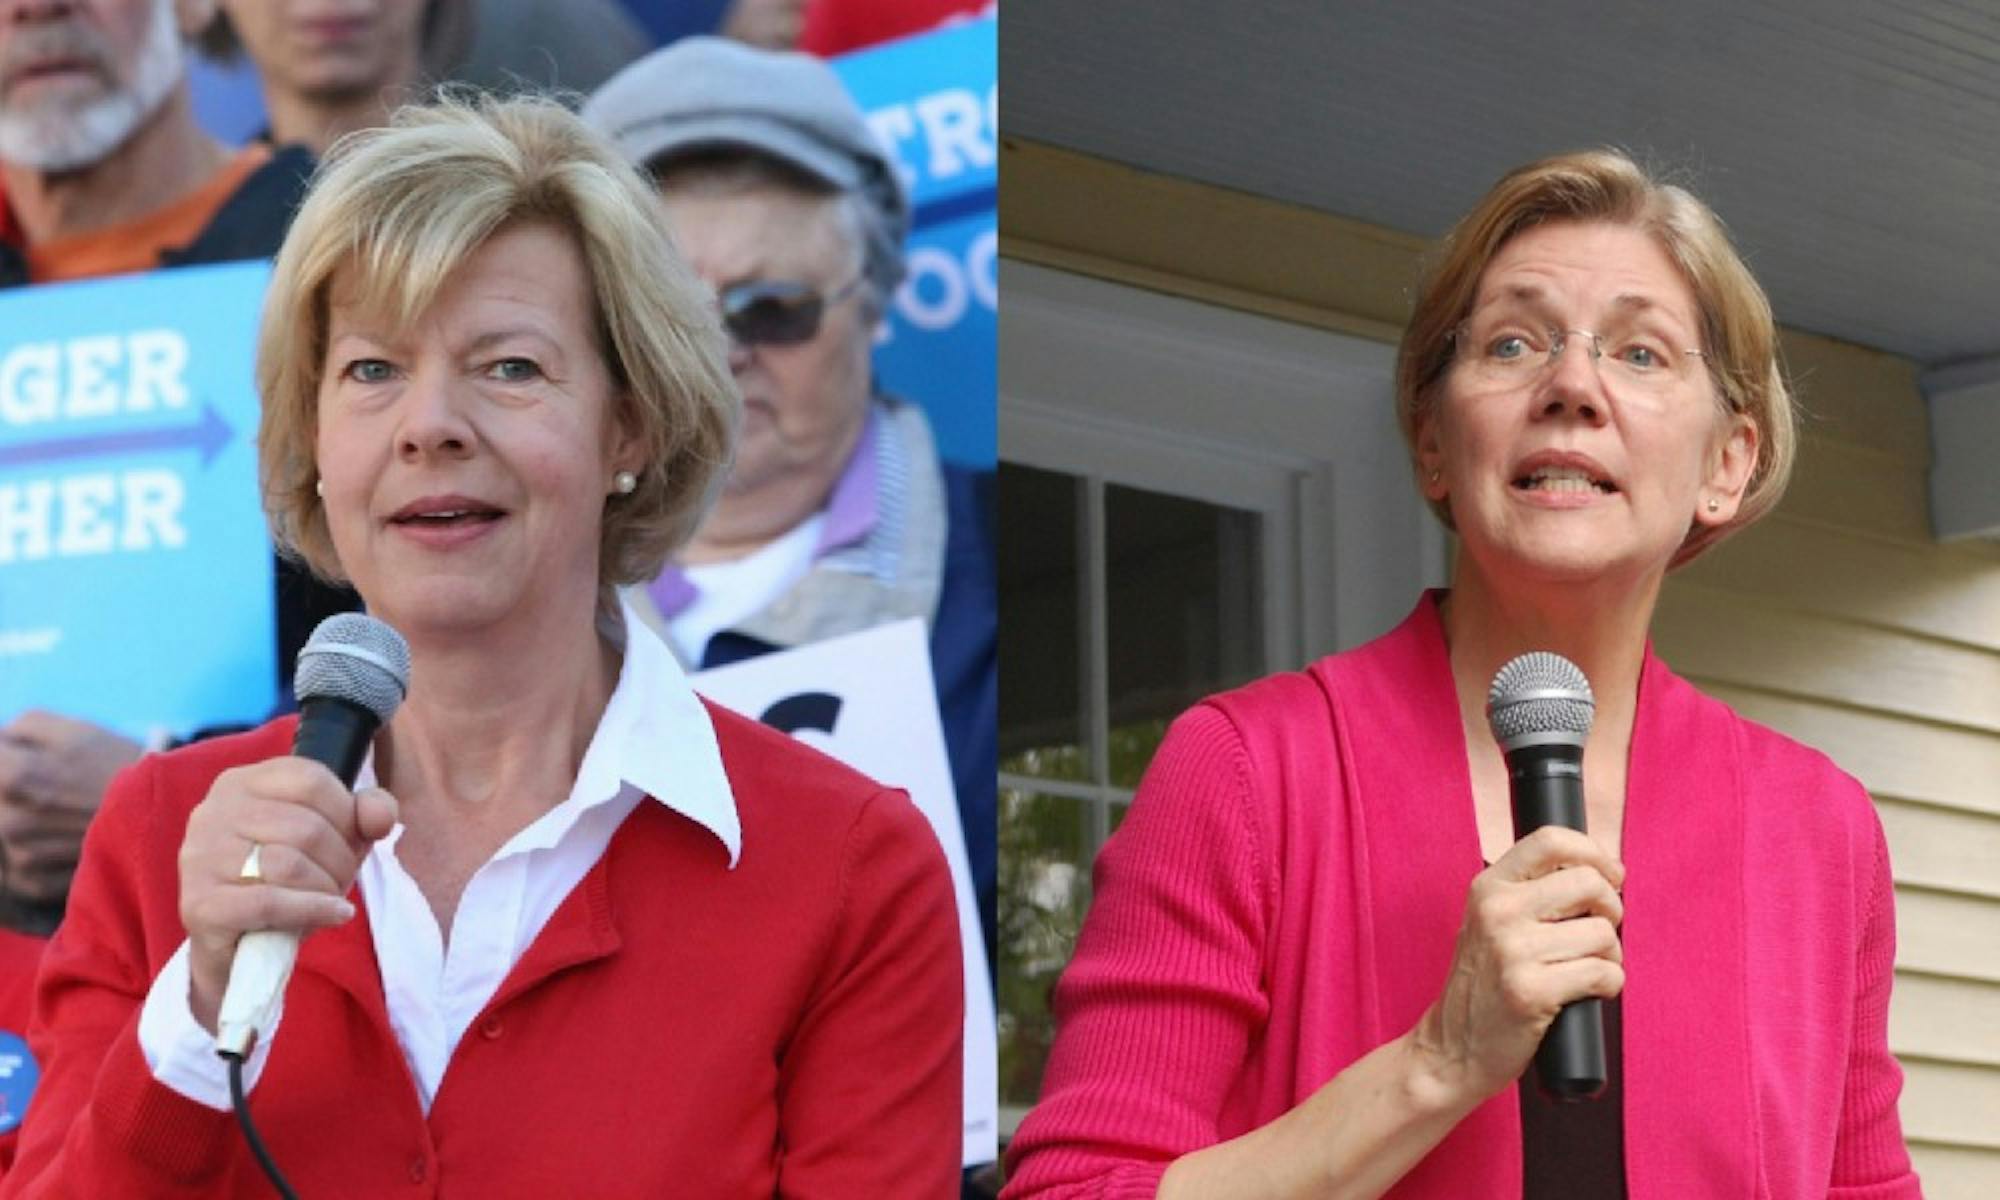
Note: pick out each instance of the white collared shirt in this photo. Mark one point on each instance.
(654, 739)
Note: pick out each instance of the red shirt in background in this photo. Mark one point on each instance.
(19, 955)
(837, 26)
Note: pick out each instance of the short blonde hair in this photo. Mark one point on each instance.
(406, 204)
(1739, 338)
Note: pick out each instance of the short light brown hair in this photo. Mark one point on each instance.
(1739, 338)
(403, 206)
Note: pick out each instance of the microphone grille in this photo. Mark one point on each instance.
(1539, 697)
(356, 658)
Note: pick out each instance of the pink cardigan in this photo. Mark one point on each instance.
(1284, 895)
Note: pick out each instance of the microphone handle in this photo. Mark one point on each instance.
(1545, 784)
(335, 734)
(257, 978)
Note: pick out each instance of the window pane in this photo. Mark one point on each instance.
(1132, 746)
(1044, 889)
(1185, 613)
(1042, 729)
(1118, 811)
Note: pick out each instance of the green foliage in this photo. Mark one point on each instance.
(1044, 890)
(1046, 849)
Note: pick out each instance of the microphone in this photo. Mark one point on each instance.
(352, 674)
(1540, 709)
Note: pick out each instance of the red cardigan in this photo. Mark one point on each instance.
(791, 1027)
(1284, 895)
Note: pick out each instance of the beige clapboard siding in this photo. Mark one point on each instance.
(1952, 1020)
(1860, 490)
(1868, 581)
(1942, 933)
(1951, 1103)
(1856, 395)
(1942, 848)
(1955, 1172)
(1894, 504)
(1732, 638)
(1914, 759)
(1076, 213)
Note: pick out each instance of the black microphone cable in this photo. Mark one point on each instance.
(241, 1103)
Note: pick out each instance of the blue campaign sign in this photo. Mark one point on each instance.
(19, 1072)
(934, 101)
(135, 568)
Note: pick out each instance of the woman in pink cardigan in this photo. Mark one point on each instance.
(1319, 962)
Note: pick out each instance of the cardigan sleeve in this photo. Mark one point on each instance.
(870, 1086)
(1164, 996)
(1870, 1160)
(100, 1124)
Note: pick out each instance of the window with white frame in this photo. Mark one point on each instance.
(1122, 606)
(1190, 497)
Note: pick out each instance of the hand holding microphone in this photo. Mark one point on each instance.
(1540, 709)
(272, 850)
(1539, 944)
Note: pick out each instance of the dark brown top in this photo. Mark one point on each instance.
(1576, 1151)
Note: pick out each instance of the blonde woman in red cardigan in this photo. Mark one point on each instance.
(1318, 962)
(579, 933)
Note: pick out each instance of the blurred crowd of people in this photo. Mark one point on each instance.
(838, 513)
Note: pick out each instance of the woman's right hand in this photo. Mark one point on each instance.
(1540, 931)
(313, 834)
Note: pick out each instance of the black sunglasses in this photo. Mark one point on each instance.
(777, 312)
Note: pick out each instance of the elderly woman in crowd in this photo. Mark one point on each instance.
(580, 933)
(1319, 961)
(838, 514)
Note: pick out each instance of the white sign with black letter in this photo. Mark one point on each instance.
(867, 699)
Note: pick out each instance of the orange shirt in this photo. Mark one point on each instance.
(136, 245)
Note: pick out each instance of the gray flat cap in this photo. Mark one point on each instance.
(706, 93)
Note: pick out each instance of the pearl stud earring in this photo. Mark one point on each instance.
(1714, 506)
(319, 488)
(624, 481)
